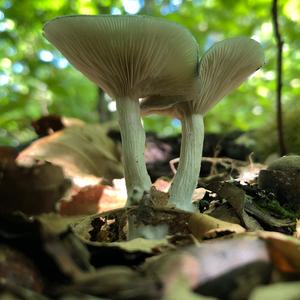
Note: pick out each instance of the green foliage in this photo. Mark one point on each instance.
(35, 79)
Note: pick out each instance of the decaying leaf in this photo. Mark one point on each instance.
(55, 224)
(17, 292)
(237, 199)
(277, 291)
(86, 201)
(297, 231)
(94, 231)
(205, 226)
(113, 197)
(57, 252)
(180, 290)
(266, 216)
(7, 155)
(18, 269)
(140, 244)
(245, 200)
(198, 194)
(78, 150)
(225, 212)
(104, 227)
(284, 251)
(218, 268)
(162, 185)
(31, 190)
(116, 282)
(156, 222)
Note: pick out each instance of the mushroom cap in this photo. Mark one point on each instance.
(128, 56)
(222, 68)
(162, 105)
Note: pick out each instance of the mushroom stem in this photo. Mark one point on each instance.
(186, 178)
(133, 147)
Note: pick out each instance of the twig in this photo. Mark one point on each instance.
(279, 43)
(172, 163)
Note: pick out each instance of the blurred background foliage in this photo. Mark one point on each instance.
(36, 80)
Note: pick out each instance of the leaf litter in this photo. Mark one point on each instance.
(238, 235)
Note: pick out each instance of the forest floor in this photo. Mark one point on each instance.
(242, 241)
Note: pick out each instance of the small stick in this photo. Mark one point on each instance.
(279, 42)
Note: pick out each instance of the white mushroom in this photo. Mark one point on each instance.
(222, 69)
(129, 57)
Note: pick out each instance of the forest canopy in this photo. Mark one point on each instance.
(36, 80)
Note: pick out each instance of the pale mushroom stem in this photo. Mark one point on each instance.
(133, 147)
(186, 178)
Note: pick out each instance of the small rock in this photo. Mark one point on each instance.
(282, 178)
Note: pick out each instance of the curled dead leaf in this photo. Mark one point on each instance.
(297, 232)
(284, 251)
(85, 202)
(277, 291)
(218, 268)
(32, 190)
(205, 226)
(78, 150)
(16, 268)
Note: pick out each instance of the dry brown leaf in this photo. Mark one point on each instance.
(237, 199)
(113, 197)
(217, 268)
(205, 226)
(7, 155)
(277, 291)
(140, 244)
(297, 232)
(162, 185)
(84, 230)
(180, 290)
(78, 150)
(16, 268)
(284, 250)
(55, 224)
(114, 282)
(85, 202)
(32, 190)
(198, 194)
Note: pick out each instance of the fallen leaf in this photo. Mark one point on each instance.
(284, 250)
(78, 150)
(140, 244)
(113, 197)
(116, 282)
(237, 199)
(85, 202)
(205, 226)
(32, 190)
(162, 185)
(49, 243)
(16, 268)
(265, 216)
(56, 224)
(180, 290)
(218, 268)
(277, 291)
(7, 155)
(297, 232)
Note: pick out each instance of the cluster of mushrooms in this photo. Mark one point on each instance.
(141, 57)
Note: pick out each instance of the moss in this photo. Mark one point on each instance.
(272, 205)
